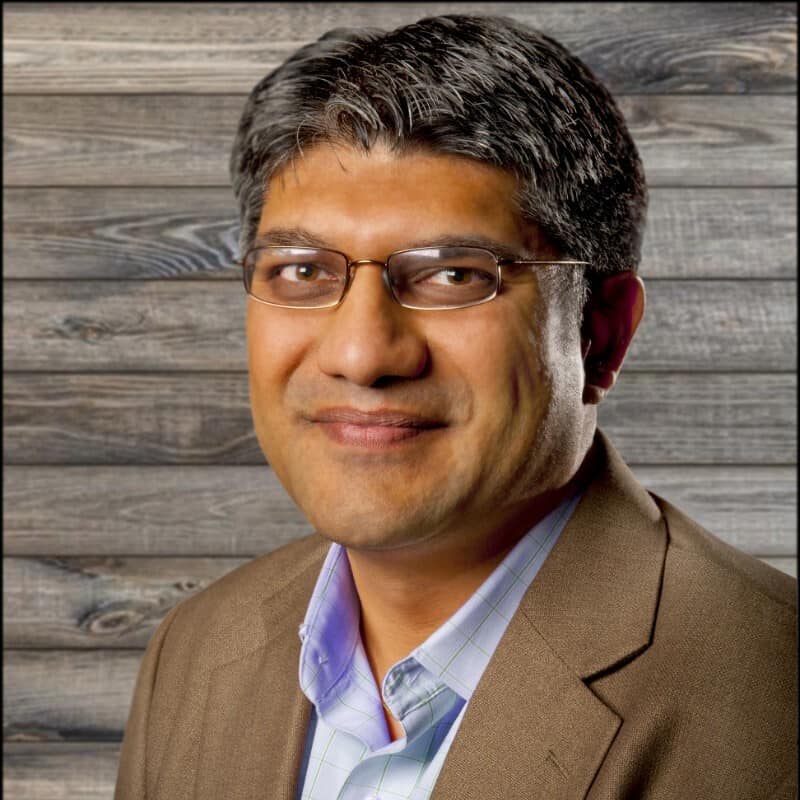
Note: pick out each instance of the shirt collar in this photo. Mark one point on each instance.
(330, 630)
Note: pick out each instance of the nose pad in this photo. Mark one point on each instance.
(387, 281)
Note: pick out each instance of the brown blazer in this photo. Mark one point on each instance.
(647, 659)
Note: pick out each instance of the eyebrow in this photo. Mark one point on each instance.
(301, 237)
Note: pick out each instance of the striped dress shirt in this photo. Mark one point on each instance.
(349, 754)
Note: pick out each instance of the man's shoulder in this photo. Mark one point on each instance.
(694, 544)
(264, 575)
(232, 613)
(757, 588)
(718, 674)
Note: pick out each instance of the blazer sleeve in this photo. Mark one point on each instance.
(132, 771)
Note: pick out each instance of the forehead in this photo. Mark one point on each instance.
(337, 190)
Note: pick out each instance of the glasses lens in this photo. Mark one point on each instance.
(443, 277)
(295, 276)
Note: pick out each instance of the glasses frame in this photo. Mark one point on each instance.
(351, 263)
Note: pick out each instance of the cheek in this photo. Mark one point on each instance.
(258, 361)
(273, 351)
(274, 343)
(502, 358)
(274, 348)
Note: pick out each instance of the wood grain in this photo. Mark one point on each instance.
(121, 233)
(230, 511)
(58, 695)
(175, 326)
(187, 233)
(244, 511)
(129, 419)
(204, 418)
(60, 770)
(721, 233)
(713, 141)
(113, 602)
(169, 47)
(98, 602)
(184, 140)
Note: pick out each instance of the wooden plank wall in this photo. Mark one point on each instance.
(132, 475)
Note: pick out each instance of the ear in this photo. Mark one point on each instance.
(610, 320)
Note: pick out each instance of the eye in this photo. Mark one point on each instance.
(301, 273)
(460, 276)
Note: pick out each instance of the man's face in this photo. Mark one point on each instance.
(504, 378)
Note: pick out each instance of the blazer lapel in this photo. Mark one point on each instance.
(533, 726)
(256, 716)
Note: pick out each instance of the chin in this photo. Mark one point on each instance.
(355, 542)
(358, 536)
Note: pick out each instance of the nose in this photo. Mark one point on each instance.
(370, 338)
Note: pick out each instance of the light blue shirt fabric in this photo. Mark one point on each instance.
(348, 753)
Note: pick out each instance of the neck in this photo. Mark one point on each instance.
(407, 593)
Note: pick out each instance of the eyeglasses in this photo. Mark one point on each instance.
(430, 278)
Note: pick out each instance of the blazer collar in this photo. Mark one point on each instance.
(532, 721)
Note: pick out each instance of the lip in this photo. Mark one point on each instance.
(381, 417)
(380, 429)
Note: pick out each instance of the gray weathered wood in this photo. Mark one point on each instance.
(137, 325)
(691, 141)
(733, 326)
(186, 233)
(57, 695)
(60, 770)
(129, 419)
(172, 326)
(721, 233)
(156, 232)
(200, 418)
(98, 602)
(114, 602)
(183, 140)
(231, 511)
(244, 511)
(166, 47)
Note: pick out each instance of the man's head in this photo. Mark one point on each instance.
(373, 142)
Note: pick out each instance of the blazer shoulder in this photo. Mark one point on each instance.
(757, 579)
(230, 615)
(717, 676)
(264, 575)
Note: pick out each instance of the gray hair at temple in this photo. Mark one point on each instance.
(485, 87)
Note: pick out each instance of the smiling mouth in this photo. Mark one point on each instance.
(379, 429)
(374, 436)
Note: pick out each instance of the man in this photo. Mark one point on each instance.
(441, 227)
